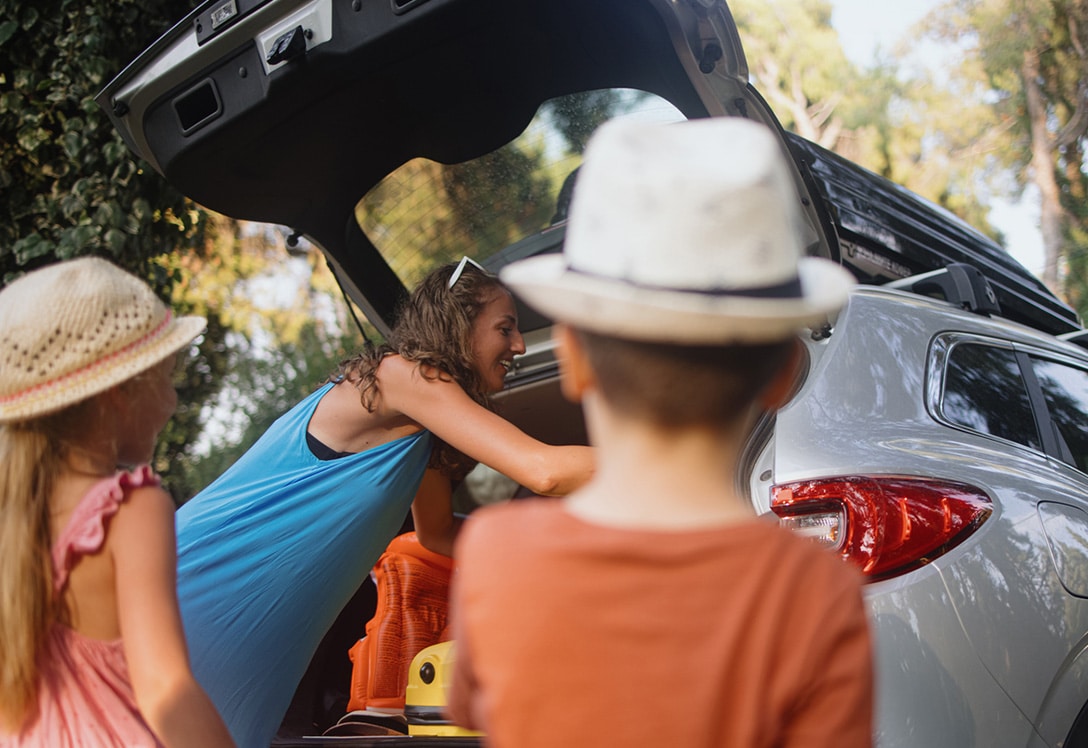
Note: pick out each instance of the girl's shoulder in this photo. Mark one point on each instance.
(86, 530)
(140, 492)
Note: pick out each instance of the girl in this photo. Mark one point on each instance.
(272, 551)
(91, 644)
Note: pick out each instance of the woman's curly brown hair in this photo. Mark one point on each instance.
(433, 330)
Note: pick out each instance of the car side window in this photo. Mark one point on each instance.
(1066, 391)
(985, 391)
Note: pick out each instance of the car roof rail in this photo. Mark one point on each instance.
(958, 283)
(1077, 337)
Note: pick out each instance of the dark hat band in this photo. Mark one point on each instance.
(790, 289)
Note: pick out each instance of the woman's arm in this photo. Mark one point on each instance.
(443, 408)
(432, 513)
(142, 542)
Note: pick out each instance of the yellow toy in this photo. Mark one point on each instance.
(425, 696)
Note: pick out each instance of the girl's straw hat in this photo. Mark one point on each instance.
(685, 233)
(74, 329)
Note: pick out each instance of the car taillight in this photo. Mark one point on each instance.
(884, 525)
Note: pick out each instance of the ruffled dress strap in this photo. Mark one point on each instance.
(86, 528)
(85, 696)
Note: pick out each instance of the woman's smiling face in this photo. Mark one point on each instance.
(496, 339)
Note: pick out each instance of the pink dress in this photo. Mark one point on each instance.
(85, 696)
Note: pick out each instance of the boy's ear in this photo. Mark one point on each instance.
(782, 385)
(575, 373)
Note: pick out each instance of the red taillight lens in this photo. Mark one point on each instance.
(884, 525)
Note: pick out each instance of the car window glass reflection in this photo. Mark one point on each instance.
(1066, 391)
(426, 213)
(984, 391)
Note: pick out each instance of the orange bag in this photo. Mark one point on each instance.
(412, 613)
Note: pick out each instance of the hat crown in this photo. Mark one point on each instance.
(70, 316)
(686, 233)
(658, 210)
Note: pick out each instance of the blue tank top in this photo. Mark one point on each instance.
(270, 553)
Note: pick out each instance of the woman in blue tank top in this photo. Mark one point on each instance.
(270, 552)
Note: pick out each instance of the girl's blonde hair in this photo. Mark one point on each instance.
(434, 331)
(31, 457)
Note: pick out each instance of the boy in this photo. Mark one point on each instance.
(651, 606)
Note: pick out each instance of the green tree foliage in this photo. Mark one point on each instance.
(1030, 57)
(796, 61)
(427, 213)
(929, 137)
(577, 116)
(70, 185)
(518, 196)
(277, 328)
(940, 139)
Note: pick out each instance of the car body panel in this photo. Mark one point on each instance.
(931, 690)
(1066, 529)
(994, 608)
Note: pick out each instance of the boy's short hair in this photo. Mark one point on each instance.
(675, 386)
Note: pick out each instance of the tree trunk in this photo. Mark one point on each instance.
(1042, 166)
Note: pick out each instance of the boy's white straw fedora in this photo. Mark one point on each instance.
(76, 328)
(684, 233)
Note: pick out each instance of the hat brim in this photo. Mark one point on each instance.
(614, 307)
(80, 385)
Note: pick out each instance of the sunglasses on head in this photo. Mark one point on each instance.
(456, 275)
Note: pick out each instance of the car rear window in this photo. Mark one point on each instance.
(426, 213)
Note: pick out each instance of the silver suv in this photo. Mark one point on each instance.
(945, 453)
(938, 439)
